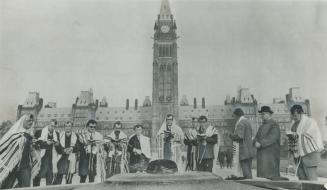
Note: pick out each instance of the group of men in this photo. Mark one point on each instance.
(28, 156)
(304, 142)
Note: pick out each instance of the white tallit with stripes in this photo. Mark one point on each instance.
(122, 139)
(310, 139)
(11, 149)
(85, 137)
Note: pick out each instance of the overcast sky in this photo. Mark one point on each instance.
(60, 47)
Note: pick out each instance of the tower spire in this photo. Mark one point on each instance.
(165, 12)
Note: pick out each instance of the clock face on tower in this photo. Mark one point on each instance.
(165, 28)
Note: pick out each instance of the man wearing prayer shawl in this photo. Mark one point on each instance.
(305, 144)
(67, 153)
(206, 145)
(267, 142)
(139, 150)
(92, 155)
(169, 140)
(48, 141)
(117, 157)
(16, 154)
(190, 135)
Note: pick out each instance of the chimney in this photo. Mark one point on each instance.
(136, 104)
(194, 103)
(127, 104)
(203, 103)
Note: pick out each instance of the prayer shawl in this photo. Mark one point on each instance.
(122, 139)
(72, 156)
(11, 149)
(210, 131)
(176, 143)
(85, 138)
(310, 139)
(55, 156)
(145, 145)
(122, 136)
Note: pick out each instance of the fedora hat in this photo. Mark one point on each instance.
(265, 109)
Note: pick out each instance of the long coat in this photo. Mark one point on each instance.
(243, 134)
(268, 155)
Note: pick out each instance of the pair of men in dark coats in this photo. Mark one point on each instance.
(266, 141)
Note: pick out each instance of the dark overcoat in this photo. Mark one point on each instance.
(244, 137)
(268, 155)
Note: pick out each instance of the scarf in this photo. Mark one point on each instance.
(72, 156)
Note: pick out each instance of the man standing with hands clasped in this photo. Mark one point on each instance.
(267, 142)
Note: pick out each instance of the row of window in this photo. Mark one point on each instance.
(165, 50)
(55, 115)
(116, 118)
(116, 112)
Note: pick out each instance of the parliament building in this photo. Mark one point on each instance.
(165, 97)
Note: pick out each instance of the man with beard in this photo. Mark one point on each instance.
(68, 149)
(48, 140)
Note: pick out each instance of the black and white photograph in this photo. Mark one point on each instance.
(163, 94)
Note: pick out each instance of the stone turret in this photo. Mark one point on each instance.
(32, 105)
